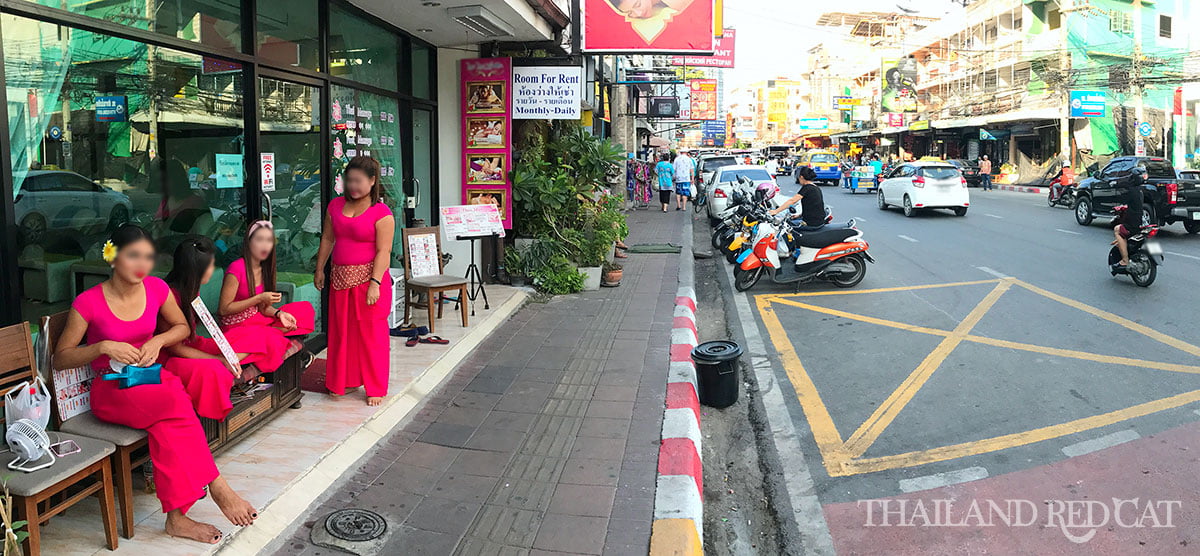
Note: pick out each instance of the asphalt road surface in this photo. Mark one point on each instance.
(988, 357)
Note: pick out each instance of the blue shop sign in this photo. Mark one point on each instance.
(110, 109)
(1088, 104)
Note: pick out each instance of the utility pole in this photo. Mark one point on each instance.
(1135, 78)
(1064, 63)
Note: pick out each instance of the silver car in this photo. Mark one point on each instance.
(62, 200)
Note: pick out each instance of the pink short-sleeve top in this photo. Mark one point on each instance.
(354, 236)
(237, 269)
(104, 325)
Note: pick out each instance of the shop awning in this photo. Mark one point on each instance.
(1021, 115)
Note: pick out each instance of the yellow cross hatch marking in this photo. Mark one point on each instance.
(843, 458)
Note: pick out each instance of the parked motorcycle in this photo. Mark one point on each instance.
(1143, 249)
(838, 255)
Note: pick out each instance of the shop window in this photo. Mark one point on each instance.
(288, 34)
(362, 51)
(369, 124)
(289, 129)
(106, 131)
(1164, 26)
(215, 23)
(422, 71)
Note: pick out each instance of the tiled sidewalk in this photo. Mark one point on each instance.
(545, 440)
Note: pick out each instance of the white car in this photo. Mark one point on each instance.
(62, 201)
(725, 181)
(925, 185)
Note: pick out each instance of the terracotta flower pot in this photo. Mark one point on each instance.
(613, 276)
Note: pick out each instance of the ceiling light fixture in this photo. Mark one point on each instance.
(480, 20)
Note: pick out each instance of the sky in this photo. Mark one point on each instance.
(773, 35)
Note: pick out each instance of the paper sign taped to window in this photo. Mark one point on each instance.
(219, 337)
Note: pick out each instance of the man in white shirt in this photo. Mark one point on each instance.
(685, 172)
(772, 167)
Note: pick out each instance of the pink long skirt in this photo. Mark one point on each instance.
(263, 341)
(206, 381)
(359, 344)
(183, 464)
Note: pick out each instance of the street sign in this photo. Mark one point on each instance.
(1140, 147)
(1145, 129)
(268, 171)
(55, 132)
(110, 109)
(1088, 104)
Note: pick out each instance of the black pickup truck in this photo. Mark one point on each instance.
(1167, 197)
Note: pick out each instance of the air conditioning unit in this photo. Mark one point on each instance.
(664, 107)
(480, 20)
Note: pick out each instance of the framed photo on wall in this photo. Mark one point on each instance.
(485, 97)
(482, 196)
(487, 169)
(485, 133)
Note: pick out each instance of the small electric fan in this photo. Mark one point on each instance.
(29, 442)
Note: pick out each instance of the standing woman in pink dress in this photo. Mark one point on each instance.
(118, 318)
(251, 319)
(358, 233)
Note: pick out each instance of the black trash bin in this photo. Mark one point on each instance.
(717, 371)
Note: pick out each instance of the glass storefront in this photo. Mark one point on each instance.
(105, 130)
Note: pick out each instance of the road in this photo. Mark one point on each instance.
(988, 357)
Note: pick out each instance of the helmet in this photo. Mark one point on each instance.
(765, 191)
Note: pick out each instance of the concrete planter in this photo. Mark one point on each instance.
(612, 254)
(591, 277)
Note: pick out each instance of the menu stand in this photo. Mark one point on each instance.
(475, 289)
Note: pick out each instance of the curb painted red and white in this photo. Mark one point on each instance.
(1018, 188)
(679, 497)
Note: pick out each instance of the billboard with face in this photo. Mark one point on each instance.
(898, 85)
(666, 26)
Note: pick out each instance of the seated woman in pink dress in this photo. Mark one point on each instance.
(197, 361)
(119, 317)
(251, 319)
(358, 234)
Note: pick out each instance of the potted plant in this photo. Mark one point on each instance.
(612, 275)
(514, 265)
(13, 535)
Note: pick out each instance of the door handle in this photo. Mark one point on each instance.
(266, 206)
(417, 190)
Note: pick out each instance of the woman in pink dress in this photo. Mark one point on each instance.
(119, 317)
(358, 233)
(250, 321)
(197, 361)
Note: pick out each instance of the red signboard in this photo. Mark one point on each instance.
(704, 99)
(667, 26)
(722, 54)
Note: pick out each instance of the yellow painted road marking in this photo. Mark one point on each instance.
(887, 411)
(842, 459)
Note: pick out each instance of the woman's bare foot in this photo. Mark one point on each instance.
(179, 525)
(249, 373)
(236, 509)
(374, 400)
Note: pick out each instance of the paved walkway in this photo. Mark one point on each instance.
(545, 440)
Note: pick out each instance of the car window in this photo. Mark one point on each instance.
(1159, 169)
(34, 184)
(824, 158)
(79, 183)
(710, 164)
(1118, 166)
(940, 172)
(756, 174)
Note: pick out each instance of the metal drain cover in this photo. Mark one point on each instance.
(355, 525)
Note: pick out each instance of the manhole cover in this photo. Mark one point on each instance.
(355, 525)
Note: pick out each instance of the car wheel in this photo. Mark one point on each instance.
(960, 211)
(1191, 226)
(33, 229)
(118, 217)
(882, 203)
(909, 211)
(1148, 216)
(1083, 210)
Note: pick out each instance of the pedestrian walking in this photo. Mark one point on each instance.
(985, 173)
(666, 179)
(685, 170)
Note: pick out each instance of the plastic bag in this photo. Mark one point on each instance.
(29, 400)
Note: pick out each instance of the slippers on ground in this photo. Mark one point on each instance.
(412, 341)
(433, 340)
(409, 331)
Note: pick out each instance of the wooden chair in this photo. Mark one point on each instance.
(132, 445)
(43, 494)
(423, 273)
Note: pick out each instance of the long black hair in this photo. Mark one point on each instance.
(192, 258)
(129, 233)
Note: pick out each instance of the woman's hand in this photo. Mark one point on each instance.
(120, 352)
(287, 320)
(372, 293)
(149, 352)
(269, 298)
(319, 278)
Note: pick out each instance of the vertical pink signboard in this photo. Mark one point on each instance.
(487, 133)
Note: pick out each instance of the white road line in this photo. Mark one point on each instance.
(904, 237)
(993, 216)
(992, 272)
(1067, 232)
(860, 219)
(1174, 254)
(1097, 444)
(943, 479)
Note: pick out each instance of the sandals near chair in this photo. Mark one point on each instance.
(413, 341)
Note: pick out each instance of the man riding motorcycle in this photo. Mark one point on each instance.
(812, 202)
(1063, 180)
(1133, 215)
